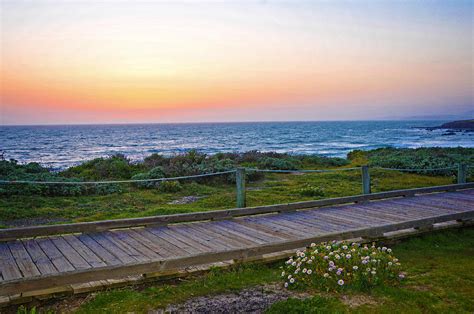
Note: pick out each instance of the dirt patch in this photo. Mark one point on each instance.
(357, 300)
(252, 300)
(186, 200)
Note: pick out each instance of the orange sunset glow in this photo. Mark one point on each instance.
(109, 62)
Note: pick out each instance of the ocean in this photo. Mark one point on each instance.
(61, 146)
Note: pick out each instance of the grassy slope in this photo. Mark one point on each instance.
(440, 279)
(275, 188)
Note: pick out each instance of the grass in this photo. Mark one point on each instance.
(274, 189)
(440, 280)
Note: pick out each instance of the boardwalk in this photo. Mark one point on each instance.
(44, 262)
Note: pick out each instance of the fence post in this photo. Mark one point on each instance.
(365, 180)
(240, 182)
(462, 169)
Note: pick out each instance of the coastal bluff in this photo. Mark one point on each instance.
(456, 125)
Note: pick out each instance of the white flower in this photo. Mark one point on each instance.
(326, 275)
(289, 276)
(310, 261)
(384, 249)
(355, 268)
(373, 272)
(331, 263)
(331, 253)
(304, 270)
(328, 247)
(283, 274)
(338, 273)
(293, 264)
(339, 269)
(389, 263)
(309, 271)
(364, 261)
(292, 280)
(316, 251)
(313, 244)
(344, 247)
(337, 256)
(395, 260)
(389, 250)
(365, 247)
(340, 282)
(367, 269)
(353, 250)
(326, 257)
(348, 256)
(401, 276)
(286, 285)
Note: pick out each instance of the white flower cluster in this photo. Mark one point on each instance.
(337, 264)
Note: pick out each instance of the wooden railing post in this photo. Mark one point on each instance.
(365, 180)
(240, 182)
(462, 170)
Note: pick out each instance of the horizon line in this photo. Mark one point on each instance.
(228, 122)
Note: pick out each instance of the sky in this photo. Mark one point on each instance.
(135, 61)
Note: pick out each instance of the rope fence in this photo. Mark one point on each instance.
(229, 172)
(240, 177)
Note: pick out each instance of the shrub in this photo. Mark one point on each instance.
(115, 167)
(170, 186)
(155, 173)
(336, 265)
(421, 158)
(12, 171)
(279, 164)
(310, 190)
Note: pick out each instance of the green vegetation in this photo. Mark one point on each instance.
(439, 279)
(72, 203)
(419, 158)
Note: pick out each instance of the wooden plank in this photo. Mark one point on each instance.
(257, 228)
(161, 247)
(9, 270)
(228, 239)
(127, 238)
(68, 251)
(237, 236)
(312, 217)
(166, 236)
(266, 224)
(99, 250)
(125, 247)
(9, 287)
(15, 233)
(23, 259)
(55, 256)
(122, 255)
(395, 212)
(445, 203)
(86, 253)
(258, 235)
(426, 210)
(205, 238)
(40, 259)
(194, 240)
(286, 222)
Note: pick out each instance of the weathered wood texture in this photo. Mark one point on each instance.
(58, 260)
(97, 226)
